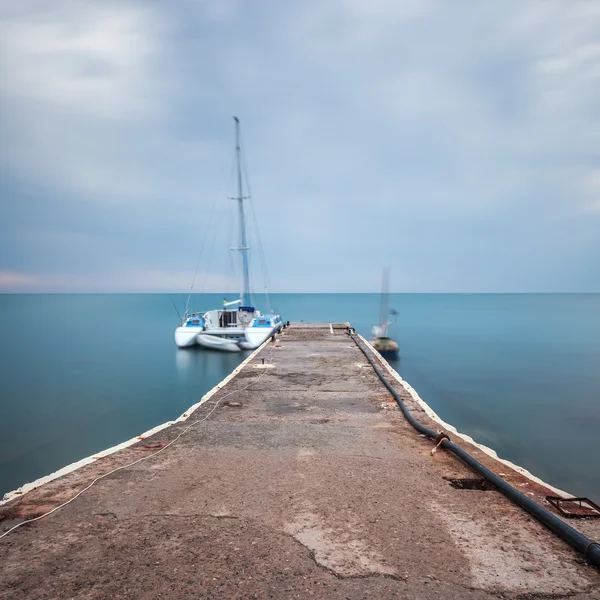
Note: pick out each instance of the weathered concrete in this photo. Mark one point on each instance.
(304, 482)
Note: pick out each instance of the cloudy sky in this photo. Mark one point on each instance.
(457, 142)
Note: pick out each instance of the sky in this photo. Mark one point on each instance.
(456, 142)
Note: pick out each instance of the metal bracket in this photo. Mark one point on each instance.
(575, 508)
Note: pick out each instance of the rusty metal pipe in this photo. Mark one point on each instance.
(578, 541)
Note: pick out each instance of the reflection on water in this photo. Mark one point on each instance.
(196, 362)
(185, 360)
(395, 364)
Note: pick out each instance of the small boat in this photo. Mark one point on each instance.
(384, 344)
(237, 325)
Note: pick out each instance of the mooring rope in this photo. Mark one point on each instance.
(139, 460)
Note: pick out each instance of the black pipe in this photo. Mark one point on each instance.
(581, 543)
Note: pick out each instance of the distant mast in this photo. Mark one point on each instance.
(383, 316)
(243, 248)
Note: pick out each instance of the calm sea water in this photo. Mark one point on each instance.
(519, 373)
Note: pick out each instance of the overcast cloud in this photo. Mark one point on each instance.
(457, 142)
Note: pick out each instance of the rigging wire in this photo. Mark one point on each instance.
(261, 256)
(212, 211)
(245, 180)
(261, 253)
(213, 230)
(232, 274)
(175, 307)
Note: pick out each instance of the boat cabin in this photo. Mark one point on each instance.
(229, 318)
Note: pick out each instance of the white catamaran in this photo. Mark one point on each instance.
(237, 325)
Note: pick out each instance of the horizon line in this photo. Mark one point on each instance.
(378, 292)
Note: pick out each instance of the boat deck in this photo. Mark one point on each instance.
(298, 478)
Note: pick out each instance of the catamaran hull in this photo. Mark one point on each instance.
(255, 336)
(251, 343)
(246, 345)
(185, 337)
(215, 342)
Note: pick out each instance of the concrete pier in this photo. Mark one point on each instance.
(298, 478)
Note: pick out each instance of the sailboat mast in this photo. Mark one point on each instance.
(383, 317)
(240, 198)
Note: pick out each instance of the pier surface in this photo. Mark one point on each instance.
(299, 478)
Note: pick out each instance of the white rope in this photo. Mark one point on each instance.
(139, 460)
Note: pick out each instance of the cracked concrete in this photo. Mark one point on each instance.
(306, 484)
(340, 551)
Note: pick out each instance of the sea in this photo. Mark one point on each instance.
(519, 373)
